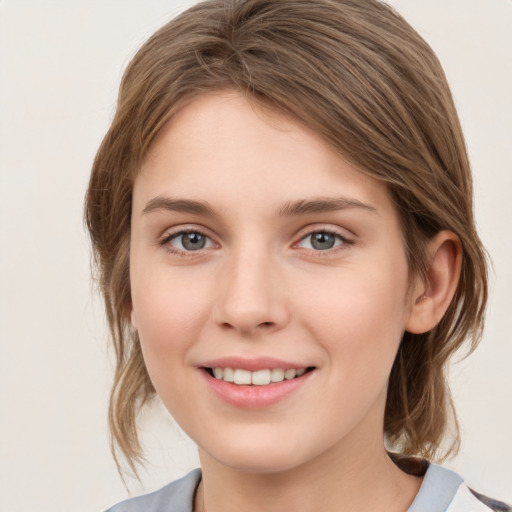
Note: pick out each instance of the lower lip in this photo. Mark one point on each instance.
(254, 397)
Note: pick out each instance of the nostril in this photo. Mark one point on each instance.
(227, 325)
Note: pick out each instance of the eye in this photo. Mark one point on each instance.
(322, 241)
(188, 241)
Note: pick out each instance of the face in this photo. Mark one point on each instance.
(269, 287)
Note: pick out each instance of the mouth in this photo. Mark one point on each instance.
(263, 377)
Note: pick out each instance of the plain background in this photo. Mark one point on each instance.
(60, 66)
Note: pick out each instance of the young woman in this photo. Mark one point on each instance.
(281, 214)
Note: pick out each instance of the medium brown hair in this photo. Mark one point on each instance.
(359, 75)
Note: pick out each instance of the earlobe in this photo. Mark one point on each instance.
(431, 298)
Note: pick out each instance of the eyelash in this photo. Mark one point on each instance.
(165, 242)
(327, 252)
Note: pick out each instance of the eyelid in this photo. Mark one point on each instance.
(337, 232)
(171, 234)
(177, 231)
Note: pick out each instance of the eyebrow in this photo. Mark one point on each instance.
(319, 205)
(178, 205)
(290, 208)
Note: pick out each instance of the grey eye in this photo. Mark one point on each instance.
(321, 241)
(192, 241)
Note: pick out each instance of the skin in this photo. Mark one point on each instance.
(260, 288)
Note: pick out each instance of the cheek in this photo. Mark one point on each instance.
(360, 317)
(167, 319)
(168, 316)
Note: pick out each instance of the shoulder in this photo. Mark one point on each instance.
(445, 491)
(178, 496)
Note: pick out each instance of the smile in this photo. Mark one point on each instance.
(256, 383)
(262, 377)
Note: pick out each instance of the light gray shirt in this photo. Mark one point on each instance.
(442, 490)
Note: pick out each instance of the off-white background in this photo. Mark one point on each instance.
(60, 65)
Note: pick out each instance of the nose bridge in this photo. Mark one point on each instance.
(249, 295)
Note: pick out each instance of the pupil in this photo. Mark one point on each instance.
(322, 241)
(193, 241)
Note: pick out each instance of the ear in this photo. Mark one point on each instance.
(431, 299)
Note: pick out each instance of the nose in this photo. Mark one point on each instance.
(251, 296)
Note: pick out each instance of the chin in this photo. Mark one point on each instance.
(260, 458)
(260, 464)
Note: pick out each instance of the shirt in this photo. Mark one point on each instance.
(442, 490)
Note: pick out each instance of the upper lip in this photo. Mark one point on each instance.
(251, 364)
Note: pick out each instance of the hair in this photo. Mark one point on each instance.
(356, 73)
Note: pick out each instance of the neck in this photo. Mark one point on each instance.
(348, 478)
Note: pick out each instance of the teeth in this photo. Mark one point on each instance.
(289, 374)
(277, 375)
(257, 378)
(242, 377)
(261, 377)
(229, 374)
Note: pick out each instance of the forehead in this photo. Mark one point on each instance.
(221, 146)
